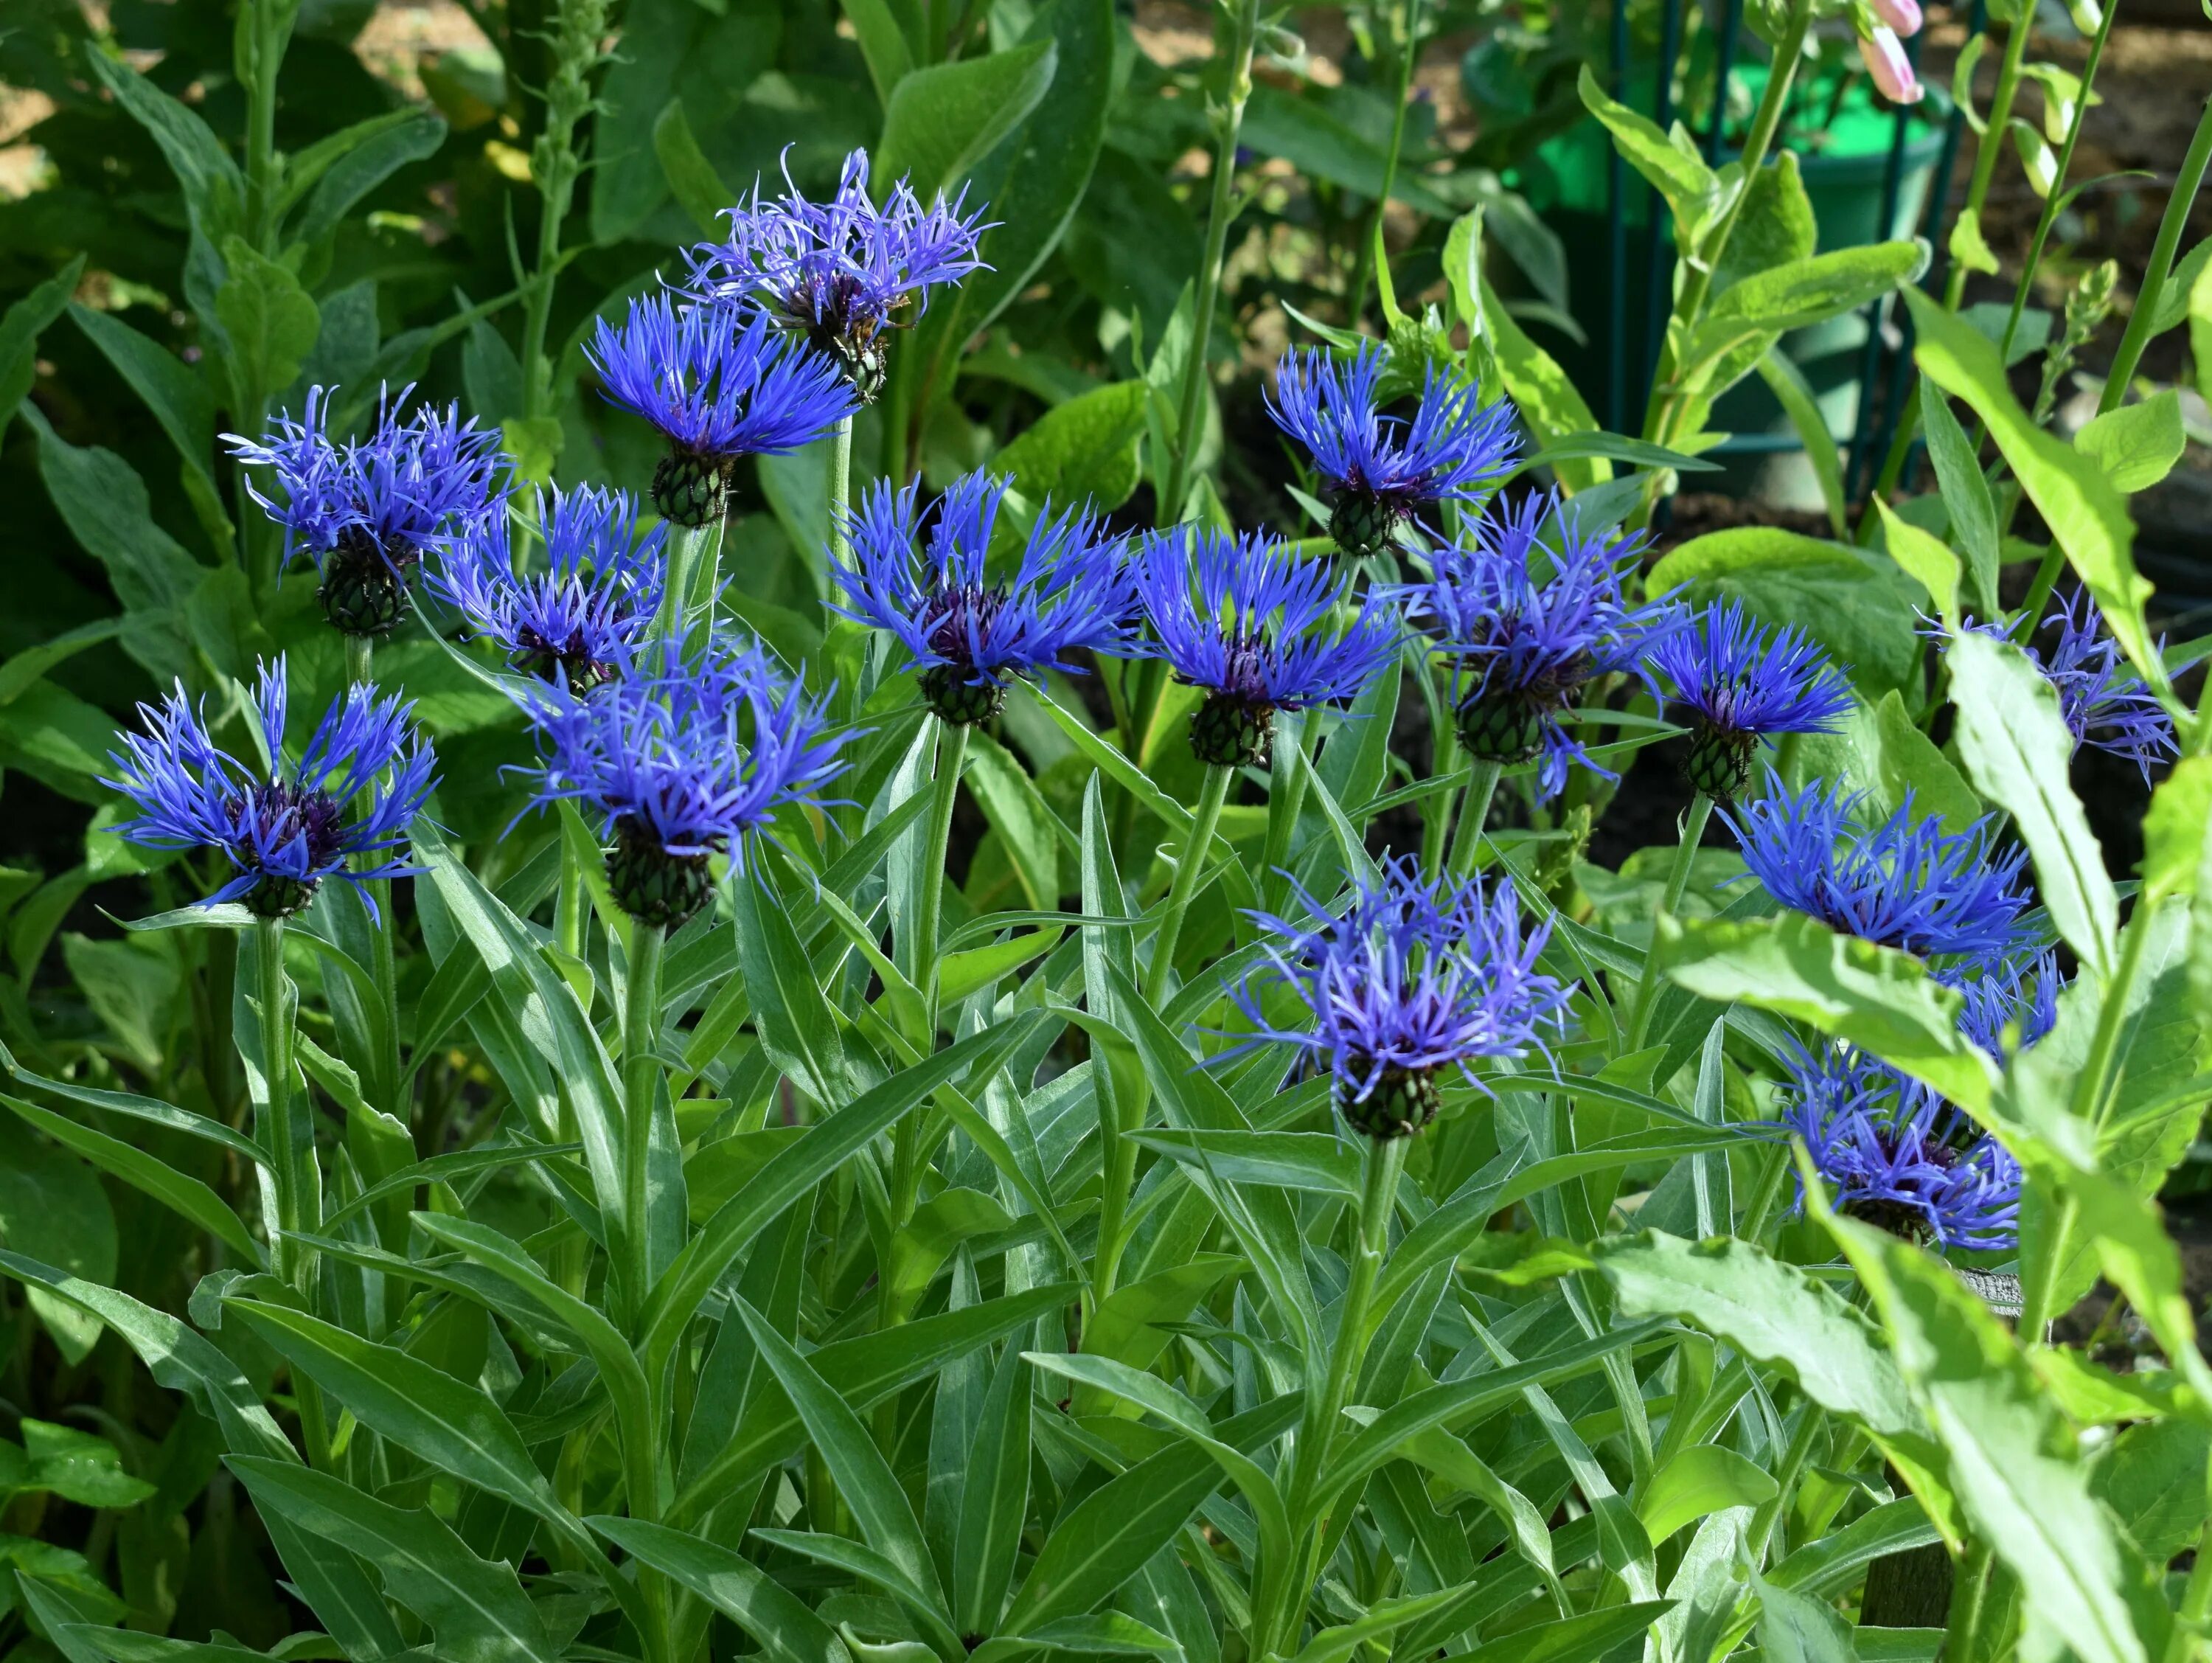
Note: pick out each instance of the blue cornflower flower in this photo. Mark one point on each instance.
(920, 573)
(840, 273)
(2105, 705)
(718, 385)
(579, 618)
(1381, 470)
(680, 758)
(1905, 883)
(362, 779)
(1418, 976)
(1247, 620)
(364, 511)
(1524, 645)
(1742, 682)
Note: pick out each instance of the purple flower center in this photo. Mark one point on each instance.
(282, 814)
(963, 617)
(1244, 671)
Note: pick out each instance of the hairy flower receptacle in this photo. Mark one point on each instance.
(865, 361)
(1504, 728)
(1365, 525)
(1719, 763)
(1225, 731)
(279, 898)
(653, 885)
(692, 491)
(957, 699)
(1402, 1103)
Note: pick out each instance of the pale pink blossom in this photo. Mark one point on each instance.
(1902, 15)
(1891, 69)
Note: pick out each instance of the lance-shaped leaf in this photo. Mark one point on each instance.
(787, 1629)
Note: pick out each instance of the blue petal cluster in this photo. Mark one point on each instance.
(841, 271)
(1903, 883)
(1530, 609)
(685, 756)
(410, 479)
(1252, 623)
(1418, 976)
(1742, 682)
(1381, 471)
(920, 573)
(2105, 703)
(580, 616)
(717, 384)
(361, 780)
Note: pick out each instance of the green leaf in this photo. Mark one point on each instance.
(149, 1174)
(476, 1606)
(942, 120)
(1316, 1161)
(1772, 1312)
(1965, 495)
(994, 1500)
(1082, 451)
(1701, 1479)
(1787, 382)
(20, 327)
(177, 398)
(1925, 558)
(2012, 1463)
(2086, 514)
(2176, 828)
(787, 1630)
(798, 1026)
(1379, 1620)
(78, 1467)
(379, 149)
(1670, 161)
(2017, 747)
(1010, 801)
(1880, 750)
(1793, 1629)
(1803, 293)
(213, 191)
(271, 321)
(2138, 444)
(52, 1204)
(1875, 997)
(1583, 1639)
(697, 186)
(1853, 603)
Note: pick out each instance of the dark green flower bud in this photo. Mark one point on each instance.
(1401, 1104)
(650, 884)
(1228, 733)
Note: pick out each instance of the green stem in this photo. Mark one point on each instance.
(570, 905)
(276, 1074)
(1203, 820)
(1970, 1600)
(360, 653)
(268, 32)
(840, 491)
(952, 757)
(641, 1089)
(2039, 591)
(2161, 270)
(1991, 146)
(1764, 1523)
(1384, 1160)
(1767, 1192)
(1229, 123)
(1696, 285)
(2196, 1605)
(1678, 881)
(689, 549)
(1473, 811)
(556, 163)
(1409, 30)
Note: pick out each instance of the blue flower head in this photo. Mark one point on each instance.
(1529, 621)
(679, 759)
(1250, 622)
(1742, 682)
(1381, 470)
(718, 385)
(365, 510)
(841, 272)
(581, 616)
(2105, 705)
(921, 575)
(1420, 975)
(1903, 883)
(363, 776)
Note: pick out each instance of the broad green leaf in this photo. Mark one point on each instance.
(1010, 801)
(2176, 828)
(787, 1629)
(1082, 452)
(994, 1500)
(1793, 1629)
(2138, 444)
(1382, 1618)
(1853, 603)
(178, 398)
(1875, 997)
(1671, 162)
(476, 1606)
(78, 1466)
(1796, 297)
(19, 329)
(149, 1174)
(1787, 382)
(272, 321)
(1583, 1639)
(1316, 1161)
(1925, 558)
(1770, 1311)
(798, 1026)
(1967, 495)
(943, 119)
(1878, 749)
(2086, 514)
(2017, 745)
(1701, 1479)
(53, 1203)
(2013, 1465)
(389, 144)
(214, 190)
(697, 187)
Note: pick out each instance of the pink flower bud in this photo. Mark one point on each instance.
(1887, 63)
(1902, 15)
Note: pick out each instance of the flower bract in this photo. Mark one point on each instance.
(923, 573)
(1254, 625)
(582, 613)
(360, 779)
